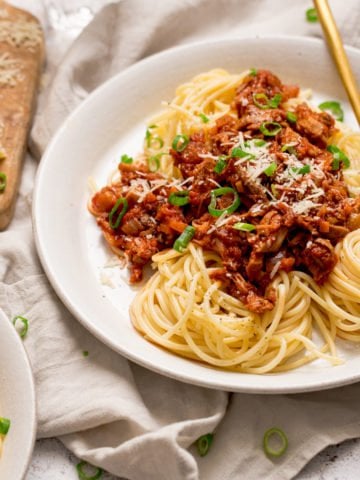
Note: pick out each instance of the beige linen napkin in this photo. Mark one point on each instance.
(108, 411)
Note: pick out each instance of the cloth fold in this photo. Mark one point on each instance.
(108, 411)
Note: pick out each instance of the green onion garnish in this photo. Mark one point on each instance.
(84, 476)
(153, 140)
(126, 159)
(277, 432)
(3, 180)
(301, 170)
(220, 164)
(339, 156)
(114, 223)
(239, 153)
(334, 108)
(25, 323)
(274, 190)
(275, 101)
(291, 117)
(180, 143)
(85, 353)
(253, 72)
(288, 148)
(311, 15)
(204, 118)
(271, 169)
(180, 198)
(244, 227)
(270, 129)
(259, 142)
(153, 163)
(262, 101)
(4, 425)
(203, 444)
(183, 241)
(219, 192)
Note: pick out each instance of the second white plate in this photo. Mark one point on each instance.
(17, 403)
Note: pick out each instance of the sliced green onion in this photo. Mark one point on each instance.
(180, 198)
(3, 180)
(274, 190)
(126, 159)
(203, 444)
(84, 476)
(288, 148)
(204, 118)
(301, 170)
(262, 101)
(220, 164)
(180, 142)
(258, 97)
(153, 163)
(334, 108)
(291, 117)
(275, 101)
(311, 15)
(271, 169)
(219, 192)
(239, 153)
(253, 72)
(274, 127)
(259, 142)
(339, 156)
(185, 238)
(244, 227)
(25, 323)
(4, 425)
(277, 432)
(114, 223)
(85, 353)
(153, 139)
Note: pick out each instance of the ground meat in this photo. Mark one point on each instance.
(320, 258)
(264, 82)
(316, 127)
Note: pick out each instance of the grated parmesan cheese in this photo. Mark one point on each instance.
(106, 280)
(275, 269)
(221, 221)
(303, 206)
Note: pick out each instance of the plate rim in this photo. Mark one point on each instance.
(31, 392)
(65, 298)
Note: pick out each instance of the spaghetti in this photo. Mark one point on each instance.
(265, 187)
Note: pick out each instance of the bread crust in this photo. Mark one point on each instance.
(21, 60)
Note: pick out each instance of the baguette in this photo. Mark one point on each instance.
(21, 59)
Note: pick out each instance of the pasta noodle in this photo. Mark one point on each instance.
(184, 309)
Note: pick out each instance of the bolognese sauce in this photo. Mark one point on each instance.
(262, 188)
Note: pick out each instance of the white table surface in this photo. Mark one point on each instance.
(52, 461)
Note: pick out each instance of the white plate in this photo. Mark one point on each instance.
(17, 402)
(89, 144)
